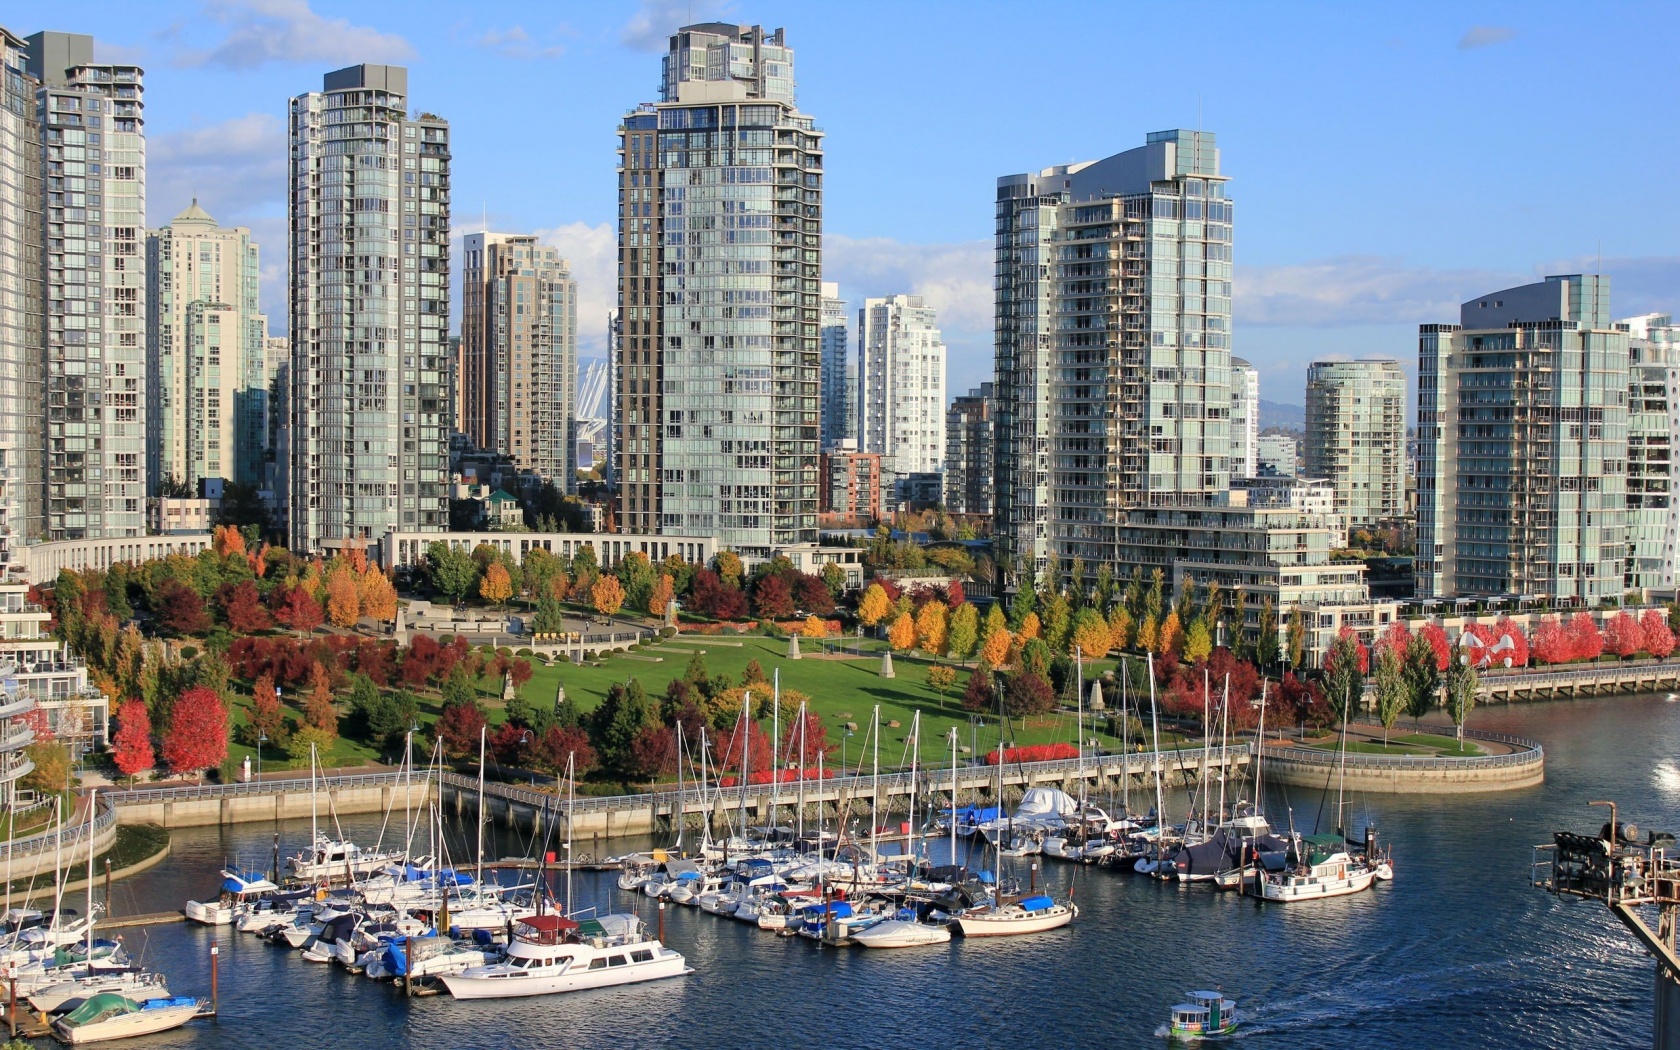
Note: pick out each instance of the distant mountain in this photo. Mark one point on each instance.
(1274, 414)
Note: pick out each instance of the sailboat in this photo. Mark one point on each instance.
(333, 859)
(1004, 918)
(905, 929)
(551, 953)
(1321, 866)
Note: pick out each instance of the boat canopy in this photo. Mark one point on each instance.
(247, 882)
(617, 924)
(544, 929)
(1038, 903)
(841, 910)
(100, 1007)
(977, 814)
(1207, 997)
(1039, 803)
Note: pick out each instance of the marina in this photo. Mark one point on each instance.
(1306, 974)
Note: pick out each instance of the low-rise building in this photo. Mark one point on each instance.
(406, 551)
(167, 516)
(852, 484)
(38, 670)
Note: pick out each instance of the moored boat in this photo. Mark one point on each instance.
(551, 954)
(111, 1016)
(1033, 914)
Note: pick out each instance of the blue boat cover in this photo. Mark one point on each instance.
(817, 912)
(1038, 903)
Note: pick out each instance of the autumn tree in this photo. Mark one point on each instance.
(1623, 635)
(664, 590)
(932, 628)
(299, 611)
(558, 743)
(1390, 686)
(1659, 637)
(198, 731)
(1171, 634)
(902, 634)
(344, 602)
(318, 707)
(964, 632)
(1198, 643)
(1027, 694)
(378, 597)
(1030, 627)
(813, 627)
(1585, 640)
(243, 609)
(1344, 675)
(132, 746)
(1090, 634)
(266, 714)
(1267, 650)
(607, 596)
(942, 677)
(995, 649)
(495, 586)
(180, 611)
(226, 540)
(729, 567)
(1058, 623)
(458, 729)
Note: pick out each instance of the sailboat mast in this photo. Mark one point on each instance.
(1079, 718)
(875, 789)
(915, 759)
(93, 807)
(483, 735)
(775, 745)
(1224, 733)
(799, 820)
(1155, 722)
(680, 799)
(953, 794)
(571, 815)
(1125, 745)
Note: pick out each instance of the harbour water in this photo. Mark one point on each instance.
(1457, 951)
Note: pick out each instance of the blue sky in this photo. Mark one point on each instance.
(1386, 162)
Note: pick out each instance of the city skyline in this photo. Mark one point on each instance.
(1321, 270)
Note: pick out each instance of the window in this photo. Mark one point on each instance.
(597, 964)
(642, 956)
(616, 960)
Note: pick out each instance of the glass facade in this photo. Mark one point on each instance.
(1523, 446)
(901, 385)
(22, 356)
(720, 252)
(369, 247)
(1653, 525)
(839, 373)
(93, 155)
(1356, 437)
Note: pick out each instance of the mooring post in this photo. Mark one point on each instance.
(215, 989)
(661, 922)
(110, 907)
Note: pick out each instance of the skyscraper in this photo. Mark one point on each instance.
(1523, 445)
(1112, 348)
(22, 356)
(519, 354)
(94, 283)
(369, 249)
(1356, 437)
(205, 352)
(901, 384)
(720, 296)
(970, 436)
(1245, 419)
(1653, 479)
(839, 372)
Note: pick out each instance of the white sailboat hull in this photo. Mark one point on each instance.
(506, 986)
(1006, 924)
(1288, 891)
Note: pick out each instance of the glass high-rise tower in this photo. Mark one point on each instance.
(369, 248)
(1356, 437)
(720, 297)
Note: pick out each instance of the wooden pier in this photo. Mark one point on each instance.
(1656, 676)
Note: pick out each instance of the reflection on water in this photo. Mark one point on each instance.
(1457, 951)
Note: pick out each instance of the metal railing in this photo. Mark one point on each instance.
(300, 785)
(1527, 752)
(1631, 669)
(64, 837)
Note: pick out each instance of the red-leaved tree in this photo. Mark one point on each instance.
(198, 731)
(1623, 636)
(266, 715)
(1437, 638)
(1659, 637)
(748, 741)
(458, 727)
(772, 597)
(1551, 642)
(181, 611)
(805, 739)
(550, 753)
(1395, 637)
(298, 611)
(132, 746)
(1585, 641)
(243, 608)
(1518, 654)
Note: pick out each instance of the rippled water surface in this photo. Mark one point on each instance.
(1457, 951)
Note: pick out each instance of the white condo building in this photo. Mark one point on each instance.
(901, 384)
(369, 251)
(1245, 419)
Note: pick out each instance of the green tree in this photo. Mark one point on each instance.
(549, 617)
(452, 571)
(1266, 647)
(1104, 593)
(965, 631)
(1462, 681)
(1297, 639)
(620, 719)
(834, 578)
(1198, 641)
(1058, 621)
(458, 688)
(1024, 604)
(1390, 688)
(1344, 682)
(1423, 677)
(1154, 599)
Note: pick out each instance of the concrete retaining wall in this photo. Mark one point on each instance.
(1394, 781)
(286, 805)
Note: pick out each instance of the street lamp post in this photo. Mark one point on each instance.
(262, 738)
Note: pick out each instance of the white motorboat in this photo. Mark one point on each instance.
(551, 954)
(902, 933)
(67, 995)
(111, 1016)
(423, 957)
(1322, 868)
(239, 890)
(1029, 915)
(339, 860)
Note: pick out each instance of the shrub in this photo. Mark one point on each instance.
(189, 652)
(228, 772)
(589, 656)
(565, 658)
(524, 652)
(667, 632)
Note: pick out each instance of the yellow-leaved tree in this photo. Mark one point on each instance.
(813, 628)
(379, 598)
(607, 595)
(344, 600)
(902, 634)
(495, 586)
(932, 626)
(995, 649)
(874, 606)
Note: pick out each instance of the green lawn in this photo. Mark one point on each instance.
(1425, 744)
(841, 690)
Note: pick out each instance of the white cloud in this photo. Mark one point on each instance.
(261, 31)
(1485, 36)
(592, 252)
(650, 28)
(515, 42)
(1356, 290)
(235, 168)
